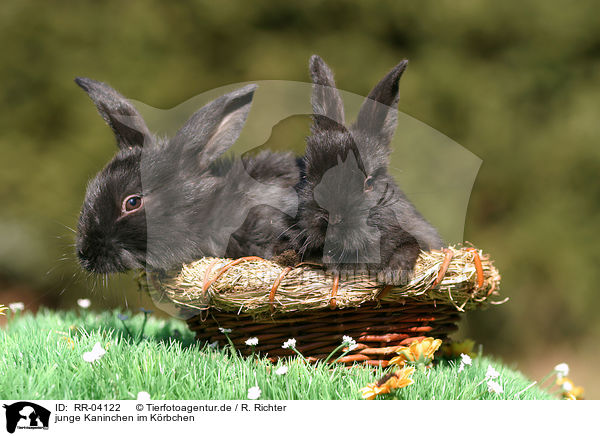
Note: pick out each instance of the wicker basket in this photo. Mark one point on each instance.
(257, 298)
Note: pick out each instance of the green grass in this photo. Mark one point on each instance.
(36, 362)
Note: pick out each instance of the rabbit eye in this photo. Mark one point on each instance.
(369, 182)
(132, 203)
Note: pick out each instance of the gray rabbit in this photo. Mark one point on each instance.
(163, 202)
(352, 215)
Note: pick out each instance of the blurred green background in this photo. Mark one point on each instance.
(516, 83)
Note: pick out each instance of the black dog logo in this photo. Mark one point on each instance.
(26, 415)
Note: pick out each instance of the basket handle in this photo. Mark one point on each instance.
(229, 265)
(334, 289)
(276, 285)
(478, 266)
(449, 254)
(205, 283)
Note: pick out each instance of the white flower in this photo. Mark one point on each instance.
(567, 386)
(96, 353)
(290, 343)
(84, 303)
(494, 387)
(465, 360)
(15, 307)
(222, 330)
(282, 370)
(254, 393)
(562, 370)
(143, 396)
(350, 342)
(251, 342)
(491, 373)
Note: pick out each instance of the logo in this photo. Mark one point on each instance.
(26, 415)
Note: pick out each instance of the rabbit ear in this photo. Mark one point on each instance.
(215, 127)
(378, 115)
(327, 105)
(127, 124)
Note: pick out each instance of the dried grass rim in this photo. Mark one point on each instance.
(459, 276)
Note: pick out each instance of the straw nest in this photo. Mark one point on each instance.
(462, 277)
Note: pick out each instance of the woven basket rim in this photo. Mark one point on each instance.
(459, 276)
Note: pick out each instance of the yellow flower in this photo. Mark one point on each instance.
(2, 309)
(419, 352)
(69, 341)
(577, 392)
(453, 350)
(574, 394)
(395, 380)
(570, 391)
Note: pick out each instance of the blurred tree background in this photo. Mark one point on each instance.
(516, 83)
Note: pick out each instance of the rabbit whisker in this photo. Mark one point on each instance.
(286, 230)
(298, 236)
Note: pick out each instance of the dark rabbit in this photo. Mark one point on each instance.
(163, 202)
(352, 214)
